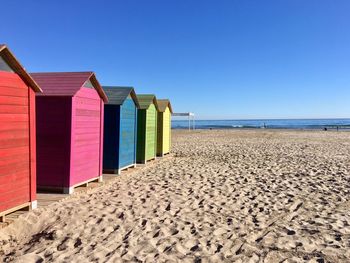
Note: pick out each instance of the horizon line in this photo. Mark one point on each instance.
(253, 119)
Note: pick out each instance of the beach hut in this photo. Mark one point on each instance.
(69, 130)
(164, 127)
(146, 128)
(120, 127)
(17, 135)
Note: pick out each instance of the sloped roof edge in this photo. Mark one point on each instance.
(8, 56)
(163, 103)
(98, 87)
(146, 100)
(67, 83)
(122, 96)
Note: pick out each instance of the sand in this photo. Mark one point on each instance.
(223, 196)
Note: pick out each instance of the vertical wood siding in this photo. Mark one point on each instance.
(151, 132)
(16, 107)
(160, 133)
(32, 144)
(86, 136)
(111, 137)
(53, 124)
(101, 136)
(164, 132)
(141, 136)
(128, 118)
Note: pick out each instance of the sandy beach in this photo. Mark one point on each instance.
(222, 196)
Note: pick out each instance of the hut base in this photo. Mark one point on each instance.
(34, 205)
(126, 167)
(118, 171)
(111, 171)
(162, 154)
(69, 190)
(26, 206)
(146, 161)
(152, 159)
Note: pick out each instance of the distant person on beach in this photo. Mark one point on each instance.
(325, 129)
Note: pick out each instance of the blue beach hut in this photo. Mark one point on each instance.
(120, 129)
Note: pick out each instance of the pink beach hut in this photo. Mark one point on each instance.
(69, 116)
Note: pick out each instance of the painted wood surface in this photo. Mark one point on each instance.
(146, 134)
(17, 143)
(111, 137)
(160, 134)
(164, 132)
(32, 145)
(70, 135)
(87, 136)
(127, 139)
(151, 132)
(141, 136)
(53, 140)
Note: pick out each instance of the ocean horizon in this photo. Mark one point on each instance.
(302, 124)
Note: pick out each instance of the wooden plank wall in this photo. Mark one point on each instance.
(15, 167)
(87, 112)
(141, 136)
(53, 116)
(151, 132)
(111, 137)
(166, 131)
(32, 144)
(127, 145)
(160, 133)
(101, 136)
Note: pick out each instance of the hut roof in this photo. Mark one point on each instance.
(9, 58)
(145, 100)
(163, 104)
(117, 95)
(67, 83)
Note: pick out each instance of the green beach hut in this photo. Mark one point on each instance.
(164, 127)
(146, 128)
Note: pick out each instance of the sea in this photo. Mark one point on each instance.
(301, 124)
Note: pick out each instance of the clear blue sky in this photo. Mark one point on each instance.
(219, 59)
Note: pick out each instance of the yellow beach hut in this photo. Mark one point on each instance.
(164, 127)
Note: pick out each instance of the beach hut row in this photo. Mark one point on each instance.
(59, 130)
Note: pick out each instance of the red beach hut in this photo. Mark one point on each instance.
(69, 130)
(17, 135)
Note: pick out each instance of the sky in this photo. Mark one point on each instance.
(224, 59)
